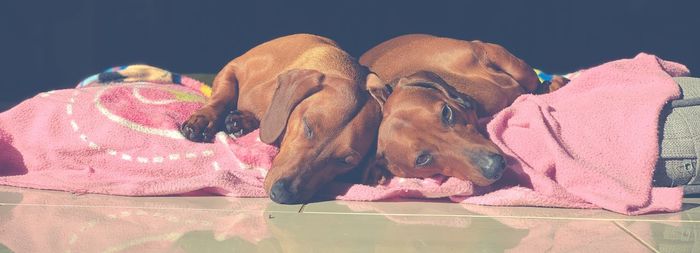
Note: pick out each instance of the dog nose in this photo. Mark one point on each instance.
(281, 193)
(492, 165)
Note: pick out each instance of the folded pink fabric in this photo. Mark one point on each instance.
(592, 144)
(594, 141)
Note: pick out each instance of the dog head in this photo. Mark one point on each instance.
(429, 128)
(325, 126)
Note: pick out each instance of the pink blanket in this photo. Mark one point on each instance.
(593, 144)
(123, 140)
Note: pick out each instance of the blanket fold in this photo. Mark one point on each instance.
(596, 140)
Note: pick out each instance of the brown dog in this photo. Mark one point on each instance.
(438, 89)
(309, 97)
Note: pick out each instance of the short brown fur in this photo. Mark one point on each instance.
(417, 76)
(309, 97)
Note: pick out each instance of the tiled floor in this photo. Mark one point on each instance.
(47, 221)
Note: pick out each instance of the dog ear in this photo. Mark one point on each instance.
(376, 87)
(293, 86)
(431, 80)
(501, 59)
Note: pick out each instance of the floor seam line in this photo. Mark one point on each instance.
(640, 240)
(499, 216)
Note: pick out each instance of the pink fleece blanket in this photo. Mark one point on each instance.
(593, 144)
(123, 140)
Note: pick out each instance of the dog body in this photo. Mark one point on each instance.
(309, 97)
(437, 89)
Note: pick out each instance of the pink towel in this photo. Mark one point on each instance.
(592, 144)
(123, 140)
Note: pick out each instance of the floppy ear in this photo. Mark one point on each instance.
(379, 91)
(431, 80)
(293, 86)
(500, 58)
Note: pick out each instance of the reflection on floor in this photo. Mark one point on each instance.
(48, 221)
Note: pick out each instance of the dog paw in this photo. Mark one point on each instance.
(557, 83)
(239, 123)
(377, 176)
(200, 127)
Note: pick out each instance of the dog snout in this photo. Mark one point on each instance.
(281, 193)
(492, 165)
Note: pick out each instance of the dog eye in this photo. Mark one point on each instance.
(447, 115)
(423, 159)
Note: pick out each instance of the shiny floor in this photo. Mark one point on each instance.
(48, 221)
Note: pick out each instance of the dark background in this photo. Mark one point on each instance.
(53, 44)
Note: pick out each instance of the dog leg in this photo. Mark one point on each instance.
(203, 124)
(239, 123)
